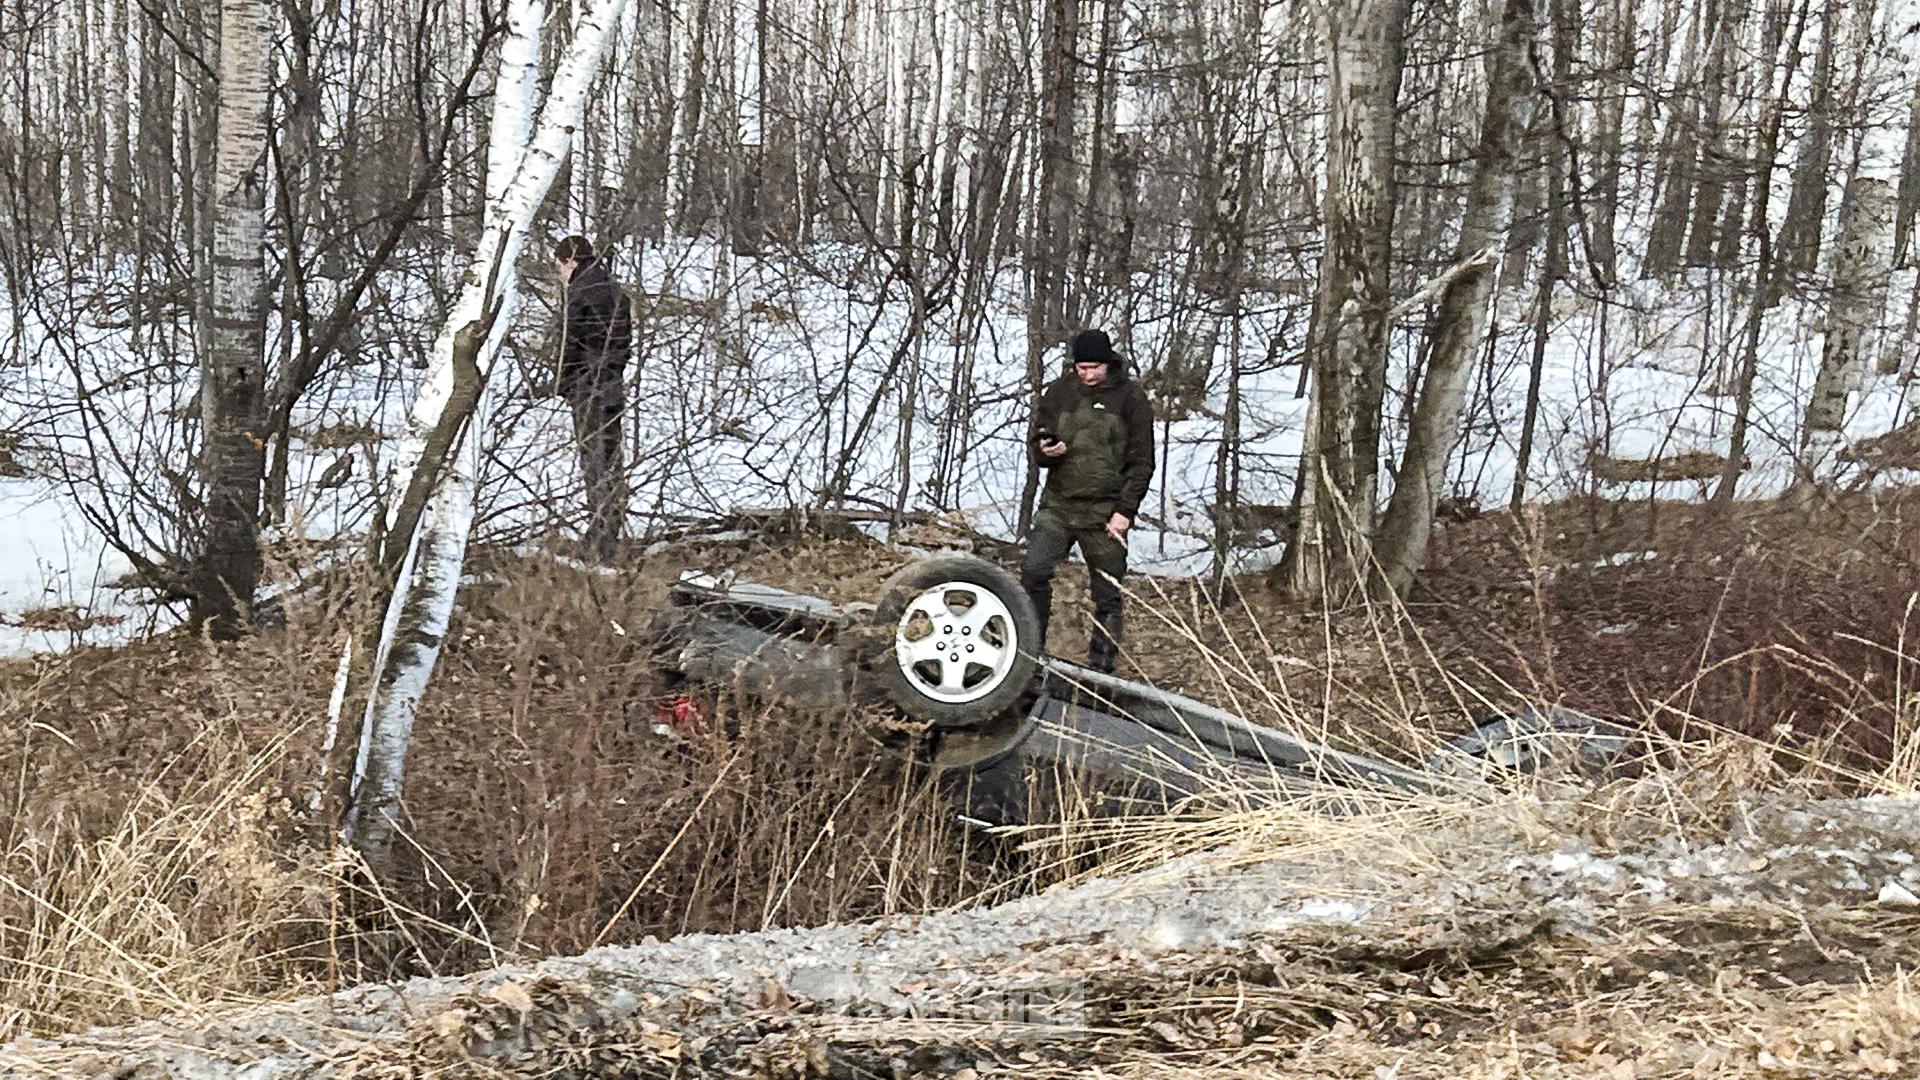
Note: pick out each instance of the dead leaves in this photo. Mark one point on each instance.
(513, 996)
(513, 1019)
(1880, 1064)
(773, 996)
(448, 1024)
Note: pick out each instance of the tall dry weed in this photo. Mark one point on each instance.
(1833, 714)
(192, 894)
(158, 855)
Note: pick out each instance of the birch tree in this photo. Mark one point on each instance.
(1766, 272)
(1460, 327)
(429, 526)
(1807, 206)
(233, 456)
(1909, 182)
(1349, 354)
(1607, 192)
(1861, 266)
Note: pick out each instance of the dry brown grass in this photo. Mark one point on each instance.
(1750, 991)
(161, 851)
(160, 855)
(570, 800)
(155, 858)
(1686, 465)
(1747, 619)
(1744, 990)
(157, 889)
(63, 619)
(1742, 987)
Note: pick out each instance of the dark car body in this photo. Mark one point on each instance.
(1105, 744)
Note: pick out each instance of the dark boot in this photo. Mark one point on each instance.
(1103, 648)
(1107, 566)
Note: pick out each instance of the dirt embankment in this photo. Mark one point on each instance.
(1436, 941)
(167, 830)
(1783, 624)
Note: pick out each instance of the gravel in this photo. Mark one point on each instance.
(1499, 865)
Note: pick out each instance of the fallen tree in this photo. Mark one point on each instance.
(1416, 928)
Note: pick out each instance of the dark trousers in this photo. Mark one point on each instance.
(1106, 557)
(598, 405)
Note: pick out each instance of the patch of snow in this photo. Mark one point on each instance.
(1894, 894)
(1622, 558)
(722, 537)
(51, 558)
(1330, 911)
(535, 551)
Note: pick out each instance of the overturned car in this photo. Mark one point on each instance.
(949, 641)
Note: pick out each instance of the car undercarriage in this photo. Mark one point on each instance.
(1020, 737)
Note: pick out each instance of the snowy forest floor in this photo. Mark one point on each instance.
(163, 850)
(1634, 402)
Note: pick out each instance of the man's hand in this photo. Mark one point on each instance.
(1117, 527)
(1054, 449)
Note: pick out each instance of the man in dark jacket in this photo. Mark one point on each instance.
(1093, 434)
(596, 338)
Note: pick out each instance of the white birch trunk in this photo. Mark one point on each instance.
(629, 81)
(948, 48)
(1349, 354)
(685, 39)
(746, 71)
(970, 59)
(1465, 307)
(578, 188)
(916, 26)
(336, 707)
(898, 119)
(232, 364)
(421, 607)
(937, 23)
(1892, 149)
(1861, 266)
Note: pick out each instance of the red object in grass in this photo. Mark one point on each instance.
(680, 713)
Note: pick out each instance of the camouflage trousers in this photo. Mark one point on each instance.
(1054, 535)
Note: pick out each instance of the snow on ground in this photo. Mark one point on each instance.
(52, 560)
(768, 428)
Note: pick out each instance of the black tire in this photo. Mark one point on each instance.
(989, 690)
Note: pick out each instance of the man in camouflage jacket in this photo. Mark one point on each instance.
(1093, 435)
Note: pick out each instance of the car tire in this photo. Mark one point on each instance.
(972, 662)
